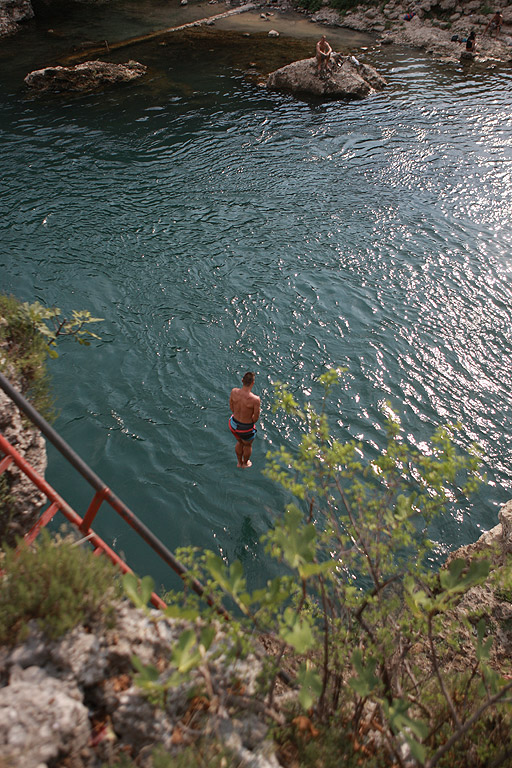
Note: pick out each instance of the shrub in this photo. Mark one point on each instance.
(345, 5)
(382, 657)
(24, 350)
(310, 5)
(205, 753)
(56, 583)
(28, 335)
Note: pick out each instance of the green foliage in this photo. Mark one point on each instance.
(24, 351)
(49, 323)
(502, 581)
(321, 746)
(344, 5)
(310, 684)
(204, 753)
(310, 5)
(28, 335)
(139, 591)
(368, 622)
(57, 584)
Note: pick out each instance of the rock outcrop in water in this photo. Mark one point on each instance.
(83, 78)
(347, 78)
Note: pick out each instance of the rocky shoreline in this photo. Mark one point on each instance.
(425, 24)
(431, 28)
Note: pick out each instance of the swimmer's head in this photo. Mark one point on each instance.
(248, 379)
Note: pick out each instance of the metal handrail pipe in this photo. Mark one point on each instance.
(53, 436)
(92, 478)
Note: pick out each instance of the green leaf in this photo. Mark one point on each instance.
(296, 541)
(366, 680)
(310, 685)
(230, 578)
(418, 751)
(297, 631)
(147, 674)
(139, 592)
(185, 655)
(130, 586)
(398, 715)
(177, 612)
(313, 569)
(147, 586)
(207, 636)
(450, 578)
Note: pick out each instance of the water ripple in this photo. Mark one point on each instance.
(236, 230)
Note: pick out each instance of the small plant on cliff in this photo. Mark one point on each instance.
(28, 335)
(24, 351)
(345, 5)
(50, 324)
(310, 5)
(56, 583)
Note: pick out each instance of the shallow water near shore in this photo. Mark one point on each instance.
(218, 228)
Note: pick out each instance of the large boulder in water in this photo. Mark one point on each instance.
(82, 78)
(347, 78)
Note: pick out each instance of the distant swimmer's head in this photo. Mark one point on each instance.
(248, 379)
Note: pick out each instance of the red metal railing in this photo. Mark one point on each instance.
(58, 504)
(103, 494)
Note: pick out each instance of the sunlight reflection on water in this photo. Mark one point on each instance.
(273, 235)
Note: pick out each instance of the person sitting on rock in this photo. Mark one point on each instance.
(323, 55)
(495, 23)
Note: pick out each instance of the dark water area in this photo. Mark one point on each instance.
(218, 228)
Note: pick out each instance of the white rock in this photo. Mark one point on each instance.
(50, 721)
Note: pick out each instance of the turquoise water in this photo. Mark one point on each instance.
(219, 228)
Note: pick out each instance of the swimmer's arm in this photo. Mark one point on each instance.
(231, 401)
(256, 411)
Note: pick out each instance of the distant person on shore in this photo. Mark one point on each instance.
(245, 409)
(471, 42)
(495, 23)
(323, 55)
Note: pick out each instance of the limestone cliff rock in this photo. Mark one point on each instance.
(347, 78)
(491, 600)
(12, 12)
(21, 502)
(430, 27)
(498, 538)
(74, 699)
(83, 78)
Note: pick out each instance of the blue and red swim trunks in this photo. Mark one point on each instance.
(242, 431)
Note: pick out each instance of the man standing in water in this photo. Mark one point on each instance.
(245, 408)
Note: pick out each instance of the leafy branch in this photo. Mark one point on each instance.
(48, 321)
